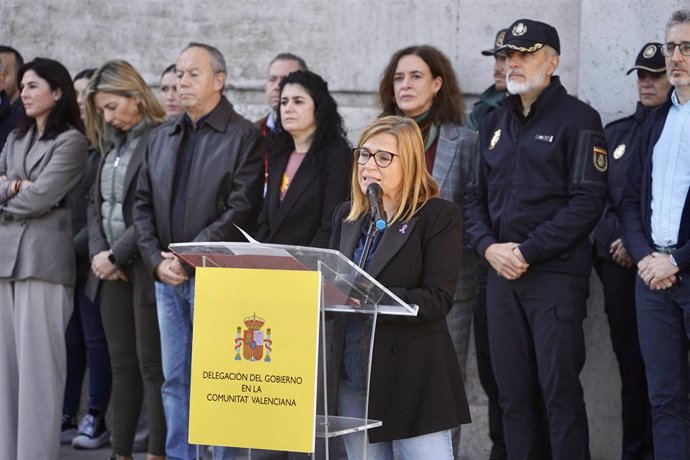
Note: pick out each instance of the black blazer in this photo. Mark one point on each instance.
(416, 385)
(305, 216)
(125, 248)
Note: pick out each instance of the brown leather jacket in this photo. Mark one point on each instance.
(225, 183)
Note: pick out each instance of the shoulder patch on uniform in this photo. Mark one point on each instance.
(600, 159)
(494, 139)
(619, 151)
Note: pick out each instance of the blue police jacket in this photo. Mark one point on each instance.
(637, 198)
(541, 181)
(623, 136)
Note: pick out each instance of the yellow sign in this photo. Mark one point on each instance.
(254, 359)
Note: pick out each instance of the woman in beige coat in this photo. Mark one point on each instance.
(44, 159)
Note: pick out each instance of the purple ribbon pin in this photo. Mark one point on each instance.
(402, 230)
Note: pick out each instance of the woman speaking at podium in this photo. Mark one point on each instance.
(416, 388)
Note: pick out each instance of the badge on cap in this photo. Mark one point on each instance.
(600, 159)
(494, 139)
(519, 30)
(649, 51)
(619, 152)
(500, 38)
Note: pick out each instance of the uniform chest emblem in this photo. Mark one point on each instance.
(543, 138)
(600, 159)
(619, 152)
(494, 139)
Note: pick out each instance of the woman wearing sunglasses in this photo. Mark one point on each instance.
(416, 388)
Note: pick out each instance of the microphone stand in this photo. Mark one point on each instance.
(371, 233)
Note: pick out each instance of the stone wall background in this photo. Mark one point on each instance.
(349, 42)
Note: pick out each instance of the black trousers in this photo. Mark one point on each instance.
(537, 349)
(619, 302)
(134, 343)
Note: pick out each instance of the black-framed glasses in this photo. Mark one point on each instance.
(382, 158)
(667, 49)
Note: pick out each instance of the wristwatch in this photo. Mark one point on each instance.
(112, 258)
(673, 260)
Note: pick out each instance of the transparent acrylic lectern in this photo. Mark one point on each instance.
(346, 289)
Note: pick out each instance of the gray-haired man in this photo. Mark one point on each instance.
(202, 174)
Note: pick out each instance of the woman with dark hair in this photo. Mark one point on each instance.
(45, 158)
(309, 165)
(121, 110)
(419, 82)
(84, 336)
(415, 386)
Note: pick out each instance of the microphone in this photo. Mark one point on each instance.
(378, 214)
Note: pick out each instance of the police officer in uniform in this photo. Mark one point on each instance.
(614, 265)
(540, 191)
(492, 96)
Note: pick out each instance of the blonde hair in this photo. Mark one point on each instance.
(119, 78)
(418, 186)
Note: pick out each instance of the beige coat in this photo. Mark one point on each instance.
(35, 225)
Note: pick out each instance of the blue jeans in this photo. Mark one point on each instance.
(175, 314)
(663, 322)
(85, 337)
(432, 446)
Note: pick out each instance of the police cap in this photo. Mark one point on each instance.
(528, 36)
(650, 59)
(498, 43)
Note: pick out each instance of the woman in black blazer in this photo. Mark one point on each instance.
(121, 110)
(309, 164)
(416, 388)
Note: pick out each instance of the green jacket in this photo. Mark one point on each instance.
(488, 101)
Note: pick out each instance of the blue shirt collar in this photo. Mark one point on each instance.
(674, 99)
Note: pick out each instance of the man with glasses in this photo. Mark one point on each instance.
(201, 176)
(656, 219)
(612, 261)
(540, 190)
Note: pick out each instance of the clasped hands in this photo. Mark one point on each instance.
(104, 269)
(657, 271)
(507, 260)
(170, 270)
